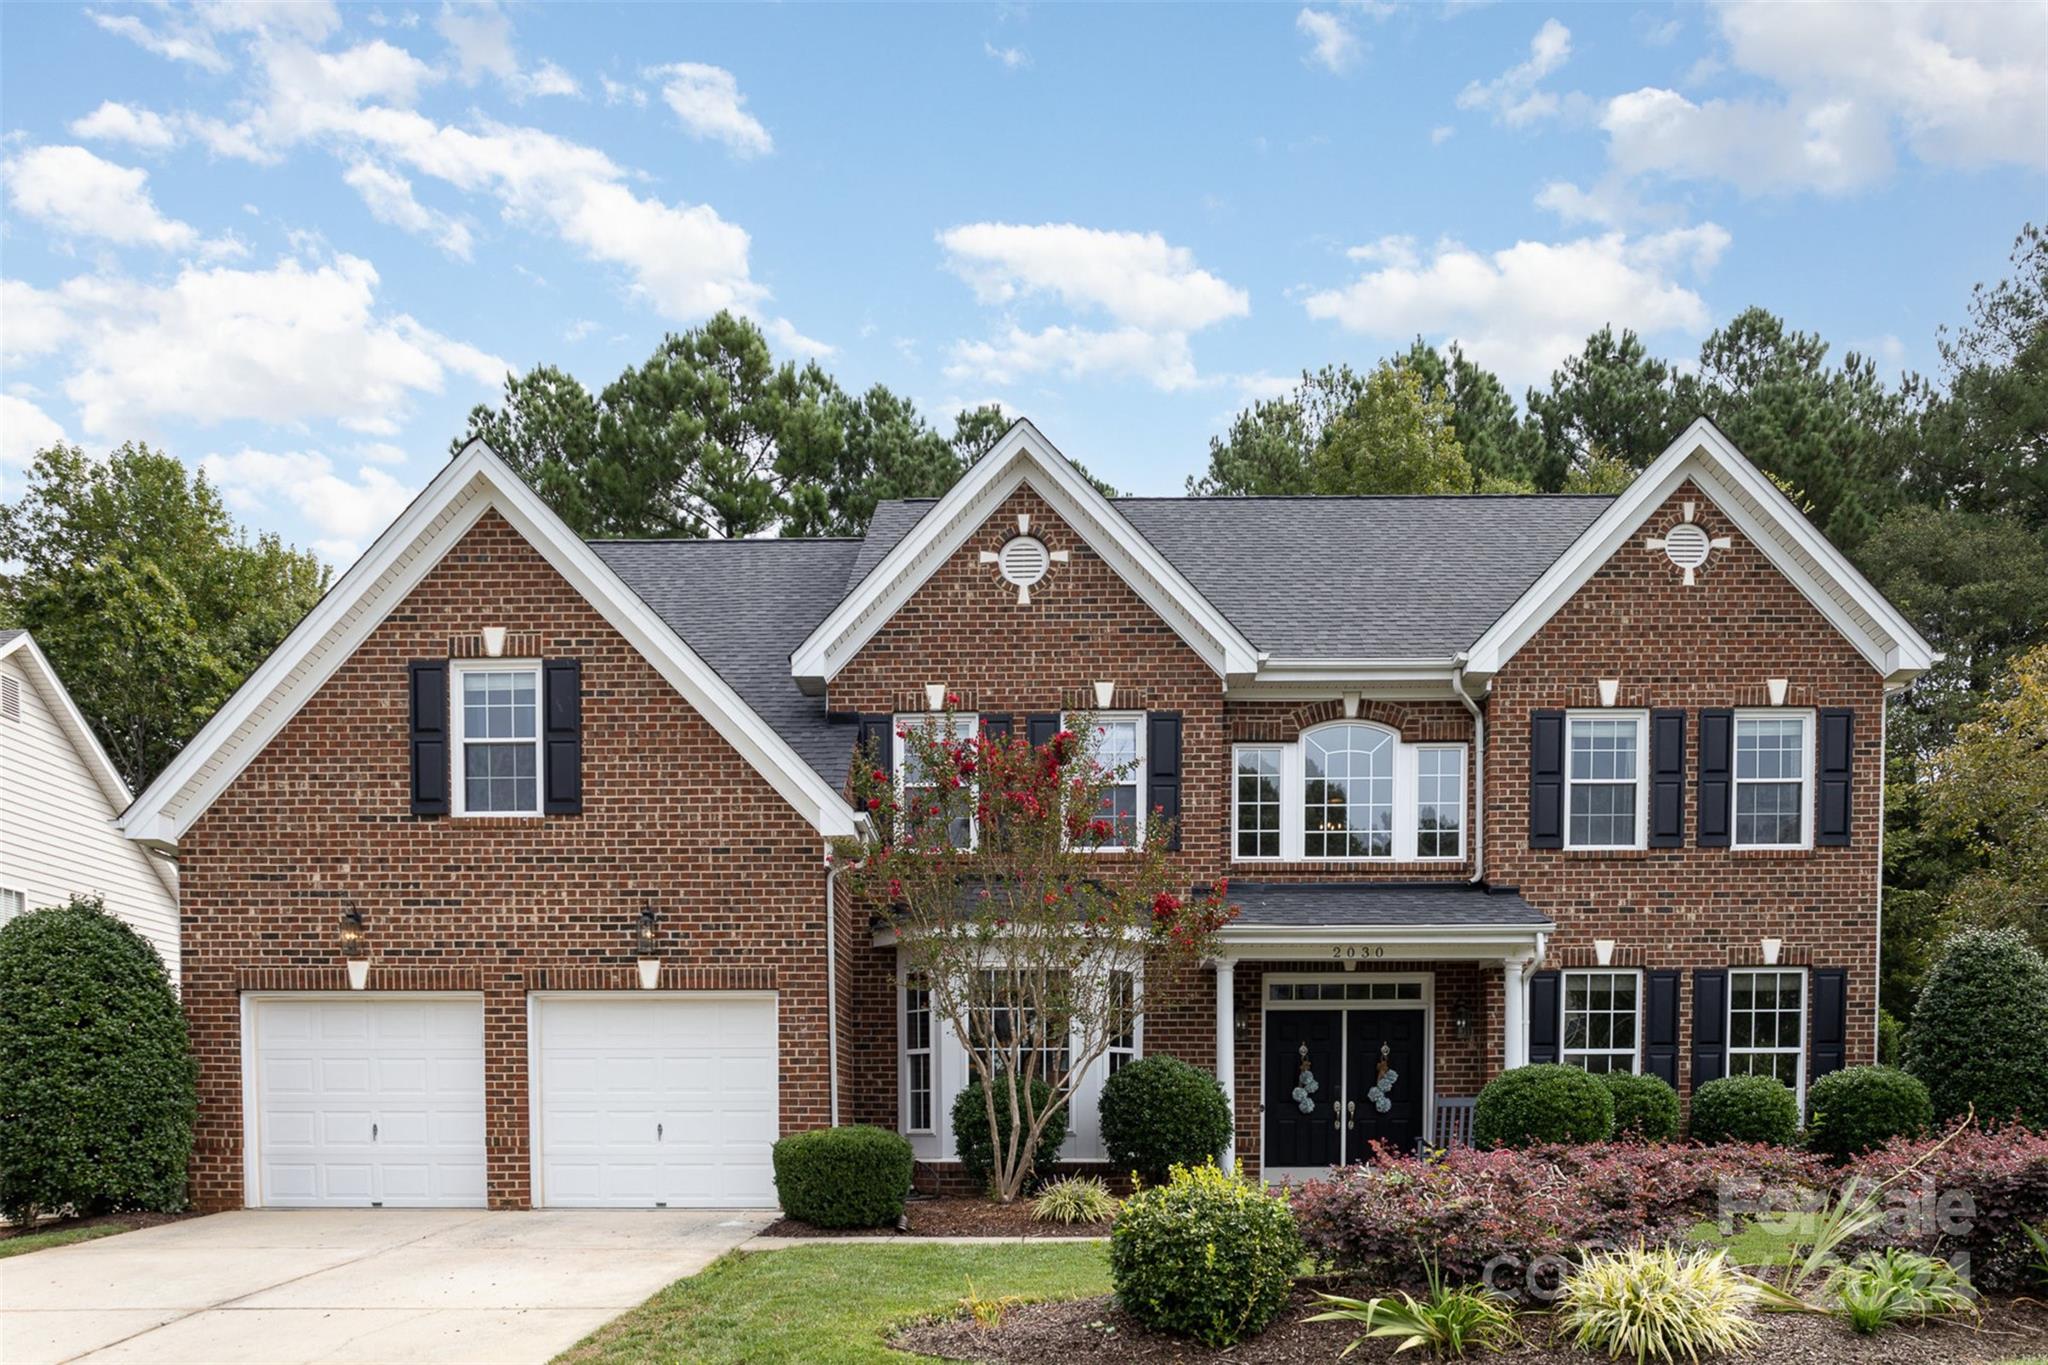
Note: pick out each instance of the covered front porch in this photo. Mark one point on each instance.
(1348, 1014)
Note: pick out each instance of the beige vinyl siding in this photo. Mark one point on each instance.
(56, 830)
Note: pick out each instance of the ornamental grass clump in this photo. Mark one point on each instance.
(1075, 1199)
(1659, 1304)
(1206, 1255)
(1447, 1322)
(1882, 1288)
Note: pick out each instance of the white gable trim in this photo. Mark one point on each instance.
(1022, 455)
(1764, 514)
(474, 482)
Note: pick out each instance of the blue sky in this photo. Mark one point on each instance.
(295, 243)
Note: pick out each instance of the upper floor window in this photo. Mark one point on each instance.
(1772, 771)
(497, 736)
(1767, 1026)
(1600, 1020)
(1348, 790)
(1117, 742)
(918, 792)
(1604, 775)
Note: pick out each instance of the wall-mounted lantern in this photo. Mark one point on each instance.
(355, 948)
(645, 949)
(1461, 1020)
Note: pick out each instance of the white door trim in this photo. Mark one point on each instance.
(1267, 1005)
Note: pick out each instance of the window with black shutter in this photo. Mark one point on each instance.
(1836, 768)
(1162, 770)
(1545, 1010)
(1546, 779)
(1667, 779)
(562, 680)
(1709, 1025)
(1717, 777)
(428, 710)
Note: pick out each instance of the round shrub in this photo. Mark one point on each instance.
(96, 1079)
(1645, 1106)
(1158, 1113)
(1206, 1255)
(1534, 1105)
(852, 1177)
(1745, 1109)
(1851, 1111)
(971, 1139)
(1980, 1032)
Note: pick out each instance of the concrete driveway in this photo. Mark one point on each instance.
(280, 1286)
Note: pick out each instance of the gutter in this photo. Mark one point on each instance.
(831, 990)
(1478, 771)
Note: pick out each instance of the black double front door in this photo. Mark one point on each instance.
(1337, 1080)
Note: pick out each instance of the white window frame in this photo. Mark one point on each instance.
(13, 901)
(1796, 1052)
(1567, 1053)
(912, 982)
(1641, 719)
(1806, 780)
(1407, 787)
(966, 727)
(1415, 803)
(459, 738)
(1136, 719)
(1279, 752)
(1121, 1052)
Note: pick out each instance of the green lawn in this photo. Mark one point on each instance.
(55, 1237)
(831, 1304)
(1759, 1242)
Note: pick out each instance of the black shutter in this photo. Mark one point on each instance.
(876, 743)
(1546, 779)
(1545, 1007)
(1667, 779)
(1717, 777)
(1162, 771)
(998, 727)
(1040, 729)
(428, 691)
(1830, 1021)
(1660, 1027)
(562, 682)
(1837, 761)
(1709, 1025)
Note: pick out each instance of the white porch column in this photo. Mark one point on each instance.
(1226, 1048)
(1516, 1014)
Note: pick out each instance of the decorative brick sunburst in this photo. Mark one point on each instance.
(1024, 561)
(1687, 543)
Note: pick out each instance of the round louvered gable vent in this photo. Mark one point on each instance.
(1686, 545)
(1024, 561)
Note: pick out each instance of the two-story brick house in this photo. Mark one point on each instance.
(1492, 780)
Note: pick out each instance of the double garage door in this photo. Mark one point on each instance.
(651, 1101)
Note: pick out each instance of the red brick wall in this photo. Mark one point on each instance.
(501, 906)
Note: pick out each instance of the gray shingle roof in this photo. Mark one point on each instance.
(8, 637)
(743, 605)
(1417, 905)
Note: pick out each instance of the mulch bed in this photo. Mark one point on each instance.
(1095, 1329)
(130, 1220)
(951, 1216)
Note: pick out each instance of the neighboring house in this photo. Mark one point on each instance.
(1494, 780)
(59, 796)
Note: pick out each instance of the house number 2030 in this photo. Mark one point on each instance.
(1354, 950)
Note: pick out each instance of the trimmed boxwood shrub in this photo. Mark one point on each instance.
(1861, 1107)
(96, 1078)
(852, 1177)
(1980, 1032)
(1532, 1105)
(971, 1139)
(1206, 1255)
(1745, 1109)
(1645, 1106)
(1158, 1113)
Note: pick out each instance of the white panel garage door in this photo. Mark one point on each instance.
(368, 1101)
(660, 1101)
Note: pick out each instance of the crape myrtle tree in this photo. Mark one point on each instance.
(1036, 902)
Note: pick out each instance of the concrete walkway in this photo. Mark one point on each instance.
(284, 1287)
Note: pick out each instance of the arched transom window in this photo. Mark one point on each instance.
(1347, 792)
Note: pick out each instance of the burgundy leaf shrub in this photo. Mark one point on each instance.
(1970, 1196)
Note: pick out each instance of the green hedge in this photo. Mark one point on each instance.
(1980, 1032)
(96, 1079)
(1206, 1255)
(1850, 1111)
(971, 1139)
(1645, 1106)
(1158, 1113)
(1533, 1105)
(1745, 1109)
(852, 1177)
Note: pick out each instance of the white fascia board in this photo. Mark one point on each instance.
(474, 482)
(1456, 942)
(1022, 455)
(1885, 638)
(58, 698)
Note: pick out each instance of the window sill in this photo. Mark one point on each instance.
(498, 818)
(1613, 854)
(1771, 853)
(1438, 865)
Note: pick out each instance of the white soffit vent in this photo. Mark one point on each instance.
(1686, 545)
(1024, 561)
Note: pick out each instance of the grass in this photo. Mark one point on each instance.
(831, 1304)
(1757, 1243)
(26, 1242)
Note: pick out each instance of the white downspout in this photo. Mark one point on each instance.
(831, 990)
(1478, 772)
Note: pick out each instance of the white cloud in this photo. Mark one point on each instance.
(381, 452)
(579, 329)
(1441, 134)
(548, 79)
(32, 321)
(1758, 146)
(346, 512)
(784, 332)
(1608, 203)
(113, 122)
(238, 140)
(24, 430)
(1332, 44)
(622, 92)
(481, 38)
(1010, 58)
(1135, 277)
(83, 196)
(1523, 309)
(1076, 352)
(1515, 96)
(708, 101)
(174, 44)
(390, 200)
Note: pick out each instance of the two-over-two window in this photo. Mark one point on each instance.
(1607, 775)
(1349, 791)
